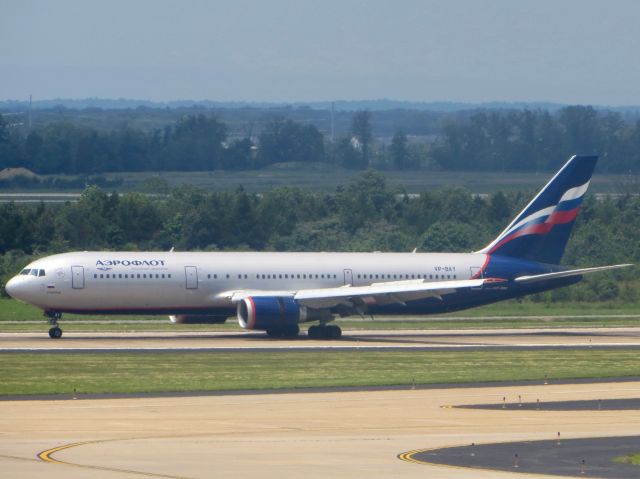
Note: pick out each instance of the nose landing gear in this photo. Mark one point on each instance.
(53, 316)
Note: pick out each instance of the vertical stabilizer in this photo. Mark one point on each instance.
(541, 231)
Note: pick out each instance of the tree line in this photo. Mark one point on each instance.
(364, 215)
(491, 140)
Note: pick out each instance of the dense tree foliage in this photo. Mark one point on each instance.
(362, 216)
(480, 140)
(534, 140)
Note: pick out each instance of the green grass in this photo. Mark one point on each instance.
(26, 373)
(628, 459)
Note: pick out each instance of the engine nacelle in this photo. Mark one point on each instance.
(197, 319)
(266, 313)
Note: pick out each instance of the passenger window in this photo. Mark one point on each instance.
(95, 276)
(168, 276)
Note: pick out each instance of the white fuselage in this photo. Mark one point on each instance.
(179, 283)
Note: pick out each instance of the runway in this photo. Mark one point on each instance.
(422, 340)
(318, 435)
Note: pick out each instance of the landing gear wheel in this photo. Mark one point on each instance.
(314, 332)
(335, 332)
(53, 316)
(55, 333)
(291, 331)
(325, 332)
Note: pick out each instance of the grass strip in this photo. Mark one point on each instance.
(60, 373)
(628, 459)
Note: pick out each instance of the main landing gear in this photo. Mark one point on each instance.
(55, 332)
(325, 332)
(288, 332)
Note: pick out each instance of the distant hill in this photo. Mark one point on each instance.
(339, 105)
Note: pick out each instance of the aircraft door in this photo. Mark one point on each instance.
(348, 277)
(191, 275)
(77, 277)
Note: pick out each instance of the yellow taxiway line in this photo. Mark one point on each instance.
(47, 457)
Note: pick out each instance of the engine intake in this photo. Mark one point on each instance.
(264, 313)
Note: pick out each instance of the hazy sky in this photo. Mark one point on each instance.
(567, 51)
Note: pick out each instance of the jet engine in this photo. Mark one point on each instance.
(278, 316)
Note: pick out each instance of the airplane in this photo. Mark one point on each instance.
(276, 292)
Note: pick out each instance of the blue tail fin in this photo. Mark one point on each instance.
(541, 231)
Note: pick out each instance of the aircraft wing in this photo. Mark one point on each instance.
(566, 274)
(376, 293)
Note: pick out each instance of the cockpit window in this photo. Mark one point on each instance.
(34, 272)
(25, 271)
(41, 272)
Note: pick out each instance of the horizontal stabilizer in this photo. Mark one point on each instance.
(566, 274)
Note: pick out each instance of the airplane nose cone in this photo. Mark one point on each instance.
(12, 288)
